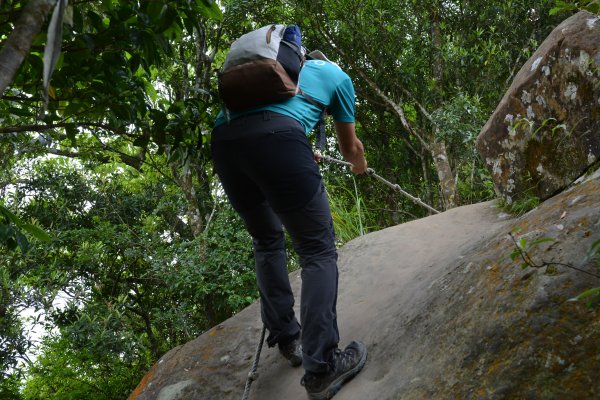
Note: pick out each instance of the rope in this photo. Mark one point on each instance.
(253, 375)
(372, 173)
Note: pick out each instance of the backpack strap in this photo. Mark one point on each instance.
(320, 126)
(292, 46)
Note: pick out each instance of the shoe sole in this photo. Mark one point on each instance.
(337, 384)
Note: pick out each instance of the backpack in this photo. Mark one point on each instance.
(262, 67)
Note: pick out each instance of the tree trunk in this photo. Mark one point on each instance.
(19, 42)
(447, 184)
(437, 146)
(186, 183)
(436, 51)
(425, 167)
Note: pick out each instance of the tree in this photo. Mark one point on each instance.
(17, 46)
(122, 282)
(105, 113)
(145, 252)
(404, 59)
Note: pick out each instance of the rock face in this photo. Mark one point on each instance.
(444, 309)
(546, 130)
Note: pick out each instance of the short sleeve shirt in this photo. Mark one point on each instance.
(323, 81)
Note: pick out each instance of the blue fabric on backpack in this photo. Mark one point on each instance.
(290, 56)
(292, 34)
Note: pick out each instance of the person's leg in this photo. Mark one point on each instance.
(327, 367)
(311, 229)
(230, 158)
(277, 298)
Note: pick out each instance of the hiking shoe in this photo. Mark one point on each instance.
(292, 351)
(344, 365)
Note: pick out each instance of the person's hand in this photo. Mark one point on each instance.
(351, 147)
(360, 166)
(317, 155)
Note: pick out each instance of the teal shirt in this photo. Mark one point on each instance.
(323, 81)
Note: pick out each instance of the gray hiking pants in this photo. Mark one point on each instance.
(267, 169)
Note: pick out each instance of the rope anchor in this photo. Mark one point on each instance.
(394, 186)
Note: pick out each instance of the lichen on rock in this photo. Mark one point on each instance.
(550, 112)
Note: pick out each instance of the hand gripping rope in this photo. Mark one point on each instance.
(372, 173)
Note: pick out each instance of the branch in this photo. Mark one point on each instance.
(528, 261)
(19, 42)
(43, 128)
(145, 316)
(132, 161)
(421, 108)
(157, 169)
(395, 106)
(406, 142)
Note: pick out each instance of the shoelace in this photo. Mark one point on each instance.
(339, 359)
(342, 359)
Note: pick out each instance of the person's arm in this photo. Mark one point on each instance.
(351, 147)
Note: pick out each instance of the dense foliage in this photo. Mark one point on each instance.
(116, 241)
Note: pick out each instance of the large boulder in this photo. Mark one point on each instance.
(445, 310)
(546, 130)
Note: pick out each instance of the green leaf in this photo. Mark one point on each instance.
(169, 18)
(542, 240)
(6, 233)
(155, 9)
(209, 9)
(150, 90)
(587, 293)
(95, 20)
(514, 254)
(12, 217)
(134, 63)
(36, 232)
(22, 241)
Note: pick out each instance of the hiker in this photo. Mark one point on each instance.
(270, 175)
